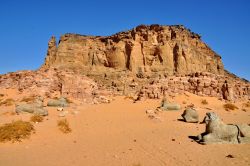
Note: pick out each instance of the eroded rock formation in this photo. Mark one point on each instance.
(170, 49)
(52, 83)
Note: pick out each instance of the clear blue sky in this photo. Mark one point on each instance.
(26, 26)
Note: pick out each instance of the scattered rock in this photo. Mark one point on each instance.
(153, 116)
(230, 156)
(60, 109)
(150, 111)
(101, 99)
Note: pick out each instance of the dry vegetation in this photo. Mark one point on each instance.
(230, 106)
(7, 102)
(9, 113)
(36, 118)
(64, 126)
(68, 100)
(28, 99)
(129, 97)
(243, 109)
(247, 104)
(204, 102)
(1, 95)
(15, 131)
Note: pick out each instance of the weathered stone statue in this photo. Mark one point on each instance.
(218, 132)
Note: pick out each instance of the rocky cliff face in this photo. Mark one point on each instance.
(155, 48)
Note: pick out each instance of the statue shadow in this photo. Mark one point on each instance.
(181, 120)
(194, 138)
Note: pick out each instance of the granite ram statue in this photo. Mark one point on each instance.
(217, 132)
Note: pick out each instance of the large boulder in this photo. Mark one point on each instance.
(190, 115)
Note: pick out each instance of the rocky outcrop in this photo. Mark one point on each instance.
(200, 83)
(52, 83)
(155, 48)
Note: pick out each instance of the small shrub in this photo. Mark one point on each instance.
(243, 109)
(230, 106)
(64, 126)
(129, 97)
(247, 104)
(15, 131)
(36, 118)
(7, 102)
(1, 95)
(204, 101)
(9, 113)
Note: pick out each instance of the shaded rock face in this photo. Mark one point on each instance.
(170, 49)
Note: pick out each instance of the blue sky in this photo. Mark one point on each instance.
(26, 26)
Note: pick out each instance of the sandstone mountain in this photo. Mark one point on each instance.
(170, 49)
(145, 62)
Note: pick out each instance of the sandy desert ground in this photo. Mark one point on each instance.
(121, 134)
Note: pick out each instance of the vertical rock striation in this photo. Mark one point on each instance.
(154, 48)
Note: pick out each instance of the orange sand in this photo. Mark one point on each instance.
(121, 134)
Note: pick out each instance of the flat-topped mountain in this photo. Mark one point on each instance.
(155, 48)
(145, 62)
